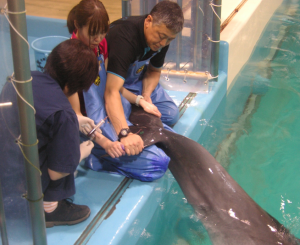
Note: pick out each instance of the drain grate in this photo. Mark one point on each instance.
(185, 103)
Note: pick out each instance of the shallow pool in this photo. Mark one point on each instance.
(255, 135)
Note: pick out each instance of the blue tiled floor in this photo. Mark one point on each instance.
(92, 189)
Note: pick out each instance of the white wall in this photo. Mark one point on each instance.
(228, 7)
(244, 30)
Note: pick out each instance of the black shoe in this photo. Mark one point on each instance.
(67, 213)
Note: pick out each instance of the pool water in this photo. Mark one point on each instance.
(255, 135)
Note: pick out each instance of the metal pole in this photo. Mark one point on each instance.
(2, 220)
(27, 120)
(178, 44)
(197, 31)
(146, 11)
(195, 34)
(206, 32)
(126, 8)
(214, 67)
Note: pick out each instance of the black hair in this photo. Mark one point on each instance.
(168, 13)
(72, 64)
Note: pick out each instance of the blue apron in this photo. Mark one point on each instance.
(95, 106)
(134, 83)
(149, 165)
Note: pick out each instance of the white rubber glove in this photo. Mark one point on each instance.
(86, 124)
(85, 149)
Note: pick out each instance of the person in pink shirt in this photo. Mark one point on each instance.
(88, 21)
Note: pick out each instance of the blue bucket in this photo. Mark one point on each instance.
(42, 48)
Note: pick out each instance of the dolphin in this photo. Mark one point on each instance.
(229, 214)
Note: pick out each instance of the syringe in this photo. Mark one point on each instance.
(97, 126)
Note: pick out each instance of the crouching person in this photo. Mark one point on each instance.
(59, 145)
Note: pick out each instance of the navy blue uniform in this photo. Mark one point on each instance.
(57, 132)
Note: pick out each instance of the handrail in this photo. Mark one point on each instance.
(214, 67)
(230, 17)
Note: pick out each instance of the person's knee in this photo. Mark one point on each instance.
(175, 116)
(157, 171)
(172, 117)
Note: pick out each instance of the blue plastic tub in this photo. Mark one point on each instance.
(42, 48)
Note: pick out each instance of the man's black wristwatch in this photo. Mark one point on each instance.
(123, 133)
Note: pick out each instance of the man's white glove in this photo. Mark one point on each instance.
(85, 149)
(86, 125)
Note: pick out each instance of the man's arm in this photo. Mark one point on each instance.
(133, 143)
(75, 103)
(150, 81)
(113, 102)
(148, 107)
(114, 149)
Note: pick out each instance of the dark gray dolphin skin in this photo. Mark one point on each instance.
(229, 214)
